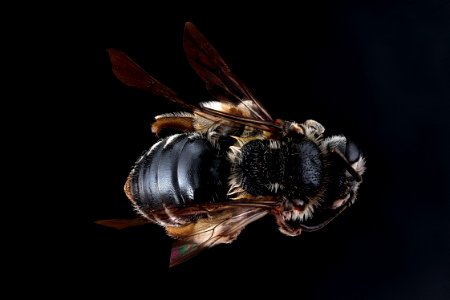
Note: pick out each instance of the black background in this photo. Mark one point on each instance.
(378, 72)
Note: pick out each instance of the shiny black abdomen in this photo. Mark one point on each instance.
(179, 170)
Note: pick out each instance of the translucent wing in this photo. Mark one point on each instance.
(213, 224)
(208, 209)
(192, 210)
(220, 81)
(217, 228)
(123, 223)
(131, 74)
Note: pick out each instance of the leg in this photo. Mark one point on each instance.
(183, 122)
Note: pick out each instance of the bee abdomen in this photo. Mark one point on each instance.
(176, 171)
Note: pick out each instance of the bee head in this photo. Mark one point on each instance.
(344, 166)
(343, 169)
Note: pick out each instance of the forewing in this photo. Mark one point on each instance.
(213, 224)
(220, 81)
(131, 74)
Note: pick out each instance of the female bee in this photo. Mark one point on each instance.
(231, 163)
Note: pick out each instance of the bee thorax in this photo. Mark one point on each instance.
(258, 167)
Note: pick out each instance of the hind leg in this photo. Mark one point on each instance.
(183, 122)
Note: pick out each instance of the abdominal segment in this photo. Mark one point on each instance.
(177, 171)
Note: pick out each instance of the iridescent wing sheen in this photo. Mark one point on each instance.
(131, 74)
(193, 210)
(213, 224)
(220, 81)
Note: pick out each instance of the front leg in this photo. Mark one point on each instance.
(313, 128)
(309, 128)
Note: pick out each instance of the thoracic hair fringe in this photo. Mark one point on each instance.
(235, 157)
(181, 114)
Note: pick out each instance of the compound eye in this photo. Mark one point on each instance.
(352, 152)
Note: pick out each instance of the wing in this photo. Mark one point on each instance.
(216, 229)
(195, 210)
(216, 223)
(131, 74)
(123, 223)
(210, 224)
(220, 81)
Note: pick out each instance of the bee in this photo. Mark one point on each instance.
(229, 163)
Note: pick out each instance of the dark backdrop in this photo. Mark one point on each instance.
(377, 72)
